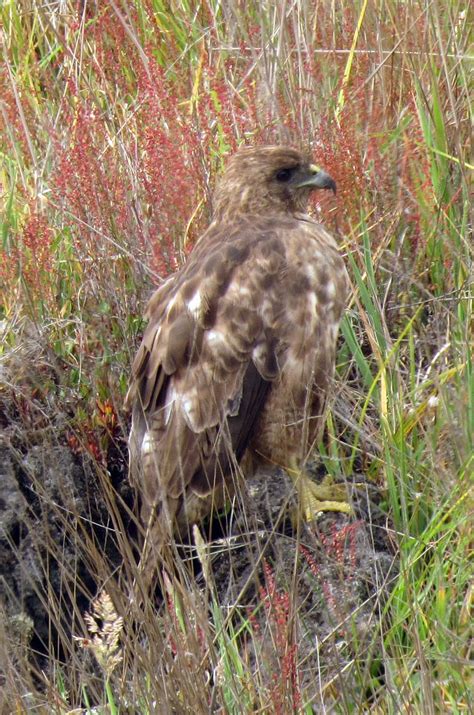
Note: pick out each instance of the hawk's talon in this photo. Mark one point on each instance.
(314, 498)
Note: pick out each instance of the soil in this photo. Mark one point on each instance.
(54, 501)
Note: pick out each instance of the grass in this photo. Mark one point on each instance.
(115, 120)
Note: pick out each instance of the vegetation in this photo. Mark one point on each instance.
(116, 117)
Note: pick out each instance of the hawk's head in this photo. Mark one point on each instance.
(268, 178)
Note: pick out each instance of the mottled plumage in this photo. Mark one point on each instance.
(237, 359)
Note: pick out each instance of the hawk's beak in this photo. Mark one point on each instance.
(318, 179)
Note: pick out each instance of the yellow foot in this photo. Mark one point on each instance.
(313, 498)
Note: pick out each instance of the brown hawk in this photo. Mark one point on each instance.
(237, 360)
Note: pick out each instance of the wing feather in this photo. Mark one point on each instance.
(204, 367)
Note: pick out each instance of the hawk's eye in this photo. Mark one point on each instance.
(284, 175)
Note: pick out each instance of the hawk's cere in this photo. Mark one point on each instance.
(236, 362)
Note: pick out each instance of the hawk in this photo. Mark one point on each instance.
(236, 363)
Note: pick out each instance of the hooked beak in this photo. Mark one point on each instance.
(316, 178)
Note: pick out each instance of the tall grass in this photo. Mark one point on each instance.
(116, 118)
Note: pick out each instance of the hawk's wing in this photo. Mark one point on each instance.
(207, 360)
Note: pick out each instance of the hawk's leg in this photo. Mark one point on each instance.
(313, 498)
